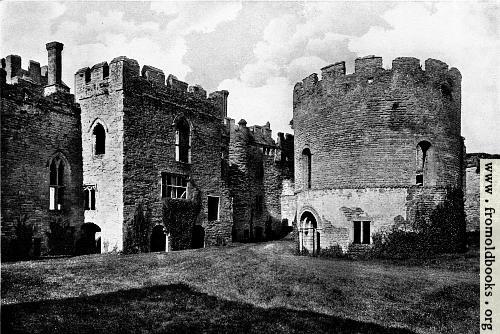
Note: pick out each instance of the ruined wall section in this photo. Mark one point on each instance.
(471, 191)
(258, 168)
(34, 130)
(243, 199)
(367, 124)
(35, 73)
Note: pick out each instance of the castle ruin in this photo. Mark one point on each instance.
(137, 160)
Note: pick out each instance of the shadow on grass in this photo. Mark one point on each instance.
(169, 309)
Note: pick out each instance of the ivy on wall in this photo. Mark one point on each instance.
(61, 237)
(137, 236)
(179, 218)
(443, 232)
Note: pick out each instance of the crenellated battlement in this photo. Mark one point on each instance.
(14, 72)
(261, 137)
(369, 72)
(123, 72)
(356, 125)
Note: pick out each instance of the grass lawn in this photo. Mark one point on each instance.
(250, 288)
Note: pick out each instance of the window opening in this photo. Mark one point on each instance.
(306, 158)
(173, 186)
(213, 208)
(56, 186)
(89, 196)
(258, 203)
(422, 162)
(183, 142)
(362, 232)
(99, 139)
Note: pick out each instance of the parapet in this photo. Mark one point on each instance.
(369, 70)
(333, 71)
(367, 65)
(176, 84)
(406, 64)
(153, 74)
(198, 91)
(123, 73)
(13, 71)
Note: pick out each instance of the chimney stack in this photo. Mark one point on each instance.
(54, 72)
(55, 63)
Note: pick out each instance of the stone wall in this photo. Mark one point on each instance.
(258, 167)
(101, 100)
(35, 129)
(288, 202)
(149, 150)
(362, 131)
(472, 188)
(367, 125)
(140, 111)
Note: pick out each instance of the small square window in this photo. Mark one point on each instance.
(419, 179)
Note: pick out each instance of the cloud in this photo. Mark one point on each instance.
(156, 37)
(270, 102)
(300, 68)
(201, 17)
(17, 35)
(465, 36)
(294, 44)
(256, 74)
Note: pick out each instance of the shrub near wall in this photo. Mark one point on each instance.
(19, 248)
(179, 217)
(137, 237)
(445, 232)
(60, 239)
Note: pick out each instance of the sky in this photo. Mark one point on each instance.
(259, 50)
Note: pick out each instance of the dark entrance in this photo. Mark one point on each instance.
(198, 236)
(90, 240)
(310, 238)
(158, 239)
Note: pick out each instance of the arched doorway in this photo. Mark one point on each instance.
(158, 240)
(309, 237)
(198, 236)
(90, 240)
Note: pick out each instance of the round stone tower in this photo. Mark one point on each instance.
(374, 147)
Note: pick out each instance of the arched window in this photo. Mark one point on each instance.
(183, 141)
(99, 139)
(422, 163)
(306, 167)
(56, 184)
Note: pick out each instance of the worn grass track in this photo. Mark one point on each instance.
(246, 288)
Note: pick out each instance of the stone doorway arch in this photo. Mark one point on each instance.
(90, 240)
(309, 236)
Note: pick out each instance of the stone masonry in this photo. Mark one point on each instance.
(38, 133)
(385, 148)
(372, 150)
(472, 189)
(140, 112)
(258, 167)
